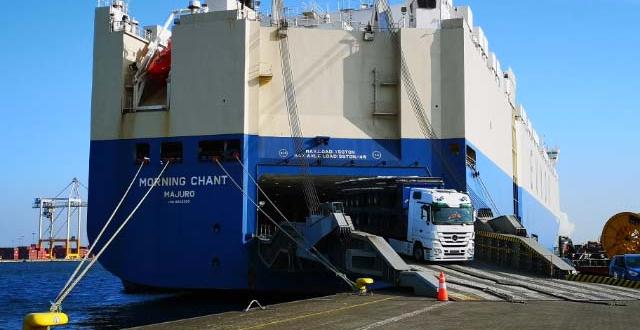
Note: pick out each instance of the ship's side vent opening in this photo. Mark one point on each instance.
(471, 157)
(208, 150)
(427, 4)
(171, 151)
(454, 148)
(219, 149)
(142, 151)
(233, 148)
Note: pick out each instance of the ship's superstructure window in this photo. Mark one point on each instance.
(142, 152)
(428, 4)
(171, 151)
(221, 149)
(471, 157)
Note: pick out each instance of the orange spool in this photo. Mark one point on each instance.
(621, 234)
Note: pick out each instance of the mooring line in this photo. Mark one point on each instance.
(84, 259)
(55, 306)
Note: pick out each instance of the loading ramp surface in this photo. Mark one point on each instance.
(477, 281)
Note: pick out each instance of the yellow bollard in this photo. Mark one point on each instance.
(42, 321)
(362, 283)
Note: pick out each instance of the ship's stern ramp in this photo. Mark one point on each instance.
(357, 254)
(371, 255)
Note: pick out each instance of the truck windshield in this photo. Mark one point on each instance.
(632, 261)
(452, 215)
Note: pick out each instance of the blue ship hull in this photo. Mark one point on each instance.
(196, 229)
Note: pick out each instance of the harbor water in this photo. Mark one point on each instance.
(98, 302)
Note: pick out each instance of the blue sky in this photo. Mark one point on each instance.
(576, 62)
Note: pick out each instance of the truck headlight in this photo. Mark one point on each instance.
(470, 251)
(632, 273)
(437, 251)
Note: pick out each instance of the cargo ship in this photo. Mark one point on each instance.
(223, 94)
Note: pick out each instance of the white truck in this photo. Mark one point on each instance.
(417, 219)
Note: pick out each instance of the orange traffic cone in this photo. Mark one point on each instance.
(442, 289)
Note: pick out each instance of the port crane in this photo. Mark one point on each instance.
(50, 210)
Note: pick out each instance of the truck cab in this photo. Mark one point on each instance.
(625, 267)
(439, 225)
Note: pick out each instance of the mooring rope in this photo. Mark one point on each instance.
(55, 306)
(84, 259)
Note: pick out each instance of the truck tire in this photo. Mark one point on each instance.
(418, 252)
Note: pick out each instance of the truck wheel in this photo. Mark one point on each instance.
(418, 252)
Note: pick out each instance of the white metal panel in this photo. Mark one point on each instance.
(488, 113)
(467, 14)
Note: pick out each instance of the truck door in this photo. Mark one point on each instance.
(423, 221)
(418, 215)
(618, 267)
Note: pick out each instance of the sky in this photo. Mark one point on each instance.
(576, 63)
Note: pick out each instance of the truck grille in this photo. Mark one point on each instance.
(454, 239)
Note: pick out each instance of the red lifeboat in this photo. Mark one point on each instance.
(160, 64)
